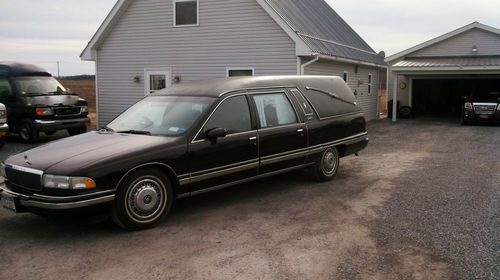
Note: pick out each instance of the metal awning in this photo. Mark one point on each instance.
(451, 64)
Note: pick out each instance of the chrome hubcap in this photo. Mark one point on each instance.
(329, 162)
(145, 199)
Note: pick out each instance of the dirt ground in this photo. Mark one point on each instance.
(421, 202)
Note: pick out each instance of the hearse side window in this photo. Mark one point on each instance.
(233, 115)
(306, 107)
(274, 110)
(5, 88)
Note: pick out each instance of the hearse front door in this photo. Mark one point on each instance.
(223, 159)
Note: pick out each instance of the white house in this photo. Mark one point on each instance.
(146, 45)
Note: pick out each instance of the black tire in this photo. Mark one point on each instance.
(143, 199)
(77, 130)
(326, 166)
(405, 112)
(27, 131)
(49, 133)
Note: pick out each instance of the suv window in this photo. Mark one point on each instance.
(5, 88)
(233, 115)
(274, 110)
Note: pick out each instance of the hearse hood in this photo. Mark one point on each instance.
(54, 100)
(67, 156)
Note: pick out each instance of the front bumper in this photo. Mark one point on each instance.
(23, 201)
(54, 125)
(480, 118)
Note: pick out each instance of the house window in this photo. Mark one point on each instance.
(346, 76)
(370, 79)
(186, 12)
(156, 80)
(239, 72)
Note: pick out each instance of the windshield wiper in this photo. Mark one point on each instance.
(139, 132)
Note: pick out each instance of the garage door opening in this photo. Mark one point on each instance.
(443, 97)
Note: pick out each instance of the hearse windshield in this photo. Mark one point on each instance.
(492, 95)
(161, 115)
(34, 85)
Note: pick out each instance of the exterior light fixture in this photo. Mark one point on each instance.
(474, 49)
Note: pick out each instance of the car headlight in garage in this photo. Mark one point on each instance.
(84, 109)
(498, 109)
(68, 183)
(468, 106)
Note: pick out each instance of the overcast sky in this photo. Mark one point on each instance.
(46, 31)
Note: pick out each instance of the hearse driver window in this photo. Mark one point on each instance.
(233, 115)
(274, 110)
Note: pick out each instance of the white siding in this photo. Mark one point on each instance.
(461, 45)
(368, 103)
(236, 33)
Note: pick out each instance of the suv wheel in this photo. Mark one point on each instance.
(143, 199)
(27, 131)
(326, 166)
(77, 130)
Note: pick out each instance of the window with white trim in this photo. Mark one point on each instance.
(239, 72)
(186, 12)
(370, 84)
(346, 77)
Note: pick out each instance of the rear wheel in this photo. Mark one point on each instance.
(77, 130)
(27, 131)
(326, 166)
(143, 199)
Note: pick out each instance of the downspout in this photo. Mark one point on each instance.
(96, 93)
(303, 66)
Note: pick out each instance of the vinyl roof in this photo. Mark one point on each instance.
(323, 30)
(217, 87)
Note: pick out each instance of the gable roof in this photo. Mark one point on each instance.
(323, 30)
(313, 25)
(443, 38)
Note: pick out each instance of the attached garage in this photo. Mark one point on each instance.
(432, 78)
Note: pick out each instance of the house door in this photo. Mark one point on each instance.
(156, 80)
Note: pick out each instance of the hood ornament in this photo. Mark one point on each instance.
(26, 159)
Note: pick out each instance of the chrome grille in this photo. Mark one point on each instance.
(67, 111)
(24, 179)
(485, 108)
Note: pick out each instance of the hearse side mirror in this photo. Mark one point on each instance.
(215, 133)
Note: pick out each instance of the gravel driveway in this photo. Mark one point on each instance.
(421, 202)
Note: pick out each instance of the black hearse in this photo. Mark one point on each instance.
(190, 139)
(36, 102)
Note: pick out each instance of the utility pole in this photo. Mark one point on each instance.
(58, 73)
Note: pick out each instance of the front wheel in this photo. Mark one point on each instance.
(27, 131)
(143, 199)
(326, 166)
(77, 130)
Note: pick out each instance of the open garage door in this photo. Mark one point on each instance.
(443, 97)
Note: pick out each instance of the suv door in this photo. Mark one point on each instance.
(282, 136)
(228, 159)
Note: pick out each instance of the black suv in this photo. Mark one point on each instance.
(36, 102)
(482, 107)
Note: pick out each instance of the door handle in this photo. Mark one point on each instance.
(300, 130)
(252, 138)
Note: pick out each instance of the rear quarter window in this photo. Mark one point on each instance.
(328, 106)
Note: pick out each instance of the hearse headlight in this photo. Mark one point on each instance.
(68, 183)
(468, 106)
(44, 111)
(84, 109)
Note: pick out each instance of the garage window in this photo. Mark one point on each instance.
(370, 79)
(186, 12)
(346, 77)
